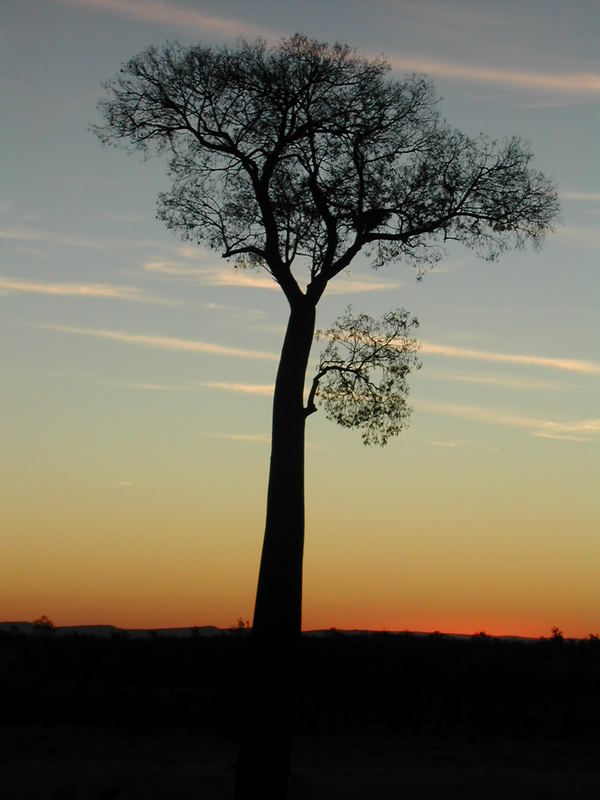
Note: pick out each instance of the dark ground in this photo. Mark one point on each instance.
(379, 716)
(68, 764)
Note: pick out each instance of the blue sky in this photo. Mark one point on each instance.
(137, 368)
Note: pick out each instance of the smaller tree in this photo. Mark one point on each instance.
(43, 624)
(557, 635)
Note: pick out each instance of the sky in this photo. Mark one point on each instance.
(137, 369)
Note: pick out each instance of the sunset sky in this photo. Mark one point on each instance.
(137, 369)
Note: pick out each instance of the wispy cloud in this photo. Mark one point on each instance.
(89, 290)
(240, 388)
(156, 12)
(169, 343)
(359, 285)
(593, 197)
(560, 436)
(257, 438)
(564, 364)
(252, 438)
(450, 265)
(237, 278)
(24, 235)
(575, 430)
(154, 387)
(174, 268)
(583, 83)
(241, 278)
(500, 380)
(212, 276)
(196, 253)
(31, 234)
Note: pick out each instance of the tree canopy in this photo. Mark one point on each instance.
(307, 153)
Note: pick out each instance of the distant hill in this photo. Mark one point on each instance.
(111, 630)
(211, 630)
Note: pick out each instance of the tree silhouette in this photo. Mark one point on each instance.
(295, 159)
(43, 624)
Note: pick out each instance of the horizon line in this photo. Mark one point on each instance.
(323, 630)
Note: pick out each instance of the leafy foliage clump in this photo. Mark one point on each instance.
(362, 375)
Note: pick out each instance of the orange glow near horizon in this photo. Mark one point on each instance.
(146, 612)
(146, 619)
(180, 553)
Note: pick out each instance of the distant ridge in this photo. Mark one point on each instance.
(420, 634)
(106, 631)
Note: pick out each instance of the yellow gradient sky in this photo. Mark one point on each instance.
(136, 370)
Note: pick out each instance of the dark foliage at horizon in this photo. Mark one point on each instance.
(383, 683)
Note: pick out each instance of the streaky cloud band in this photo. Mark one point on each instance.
(172, 14)
(581, 83)
(240, 388)
(85, 290)
(577, 365)
(162, 13)
(575, 430)
(170, 343)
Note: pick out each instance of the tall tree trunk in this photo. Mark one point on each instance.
(264, 762)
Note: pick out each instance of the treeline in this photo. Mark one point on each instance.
(371, 683)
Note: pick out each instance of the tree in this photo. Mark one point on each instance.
(43, 624)
(300, 157)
